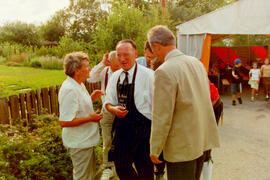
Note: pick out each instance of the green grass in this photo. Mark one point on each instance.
(13, 79)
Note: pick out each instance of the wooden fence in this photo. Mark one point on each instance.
(26, 105)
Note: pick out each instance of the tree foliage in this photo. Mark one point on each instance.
(55, 27)
(125, 21)
(84, 15)
(19, 32)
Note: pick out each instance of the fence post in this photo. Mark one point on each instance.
(45, 99)
(53, 100)
(29, 106)
(33, 102)
(22, 105)
(14, 107)
(38, 101)
(4, 115)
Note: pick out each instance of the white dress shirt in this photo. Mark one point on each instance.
(98, 74)
(75, 102)
(142, 61)
(143, 92)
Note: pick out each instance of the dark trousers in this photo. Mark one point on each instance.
(181, 170)
(160, 167)
(144, 166)
(188, 170)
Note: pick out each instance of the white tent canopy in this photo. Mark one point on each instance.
(241, 17)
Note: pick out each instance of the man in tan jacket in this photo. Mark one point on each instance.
(183, 121)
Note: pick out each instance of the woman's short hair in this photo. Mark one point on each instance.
(161, 35)
(73, 61)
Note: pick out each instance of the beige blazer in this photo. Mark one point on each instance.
(183, 122)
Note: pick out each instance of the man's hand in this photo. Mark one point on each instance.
(105, 60)
(96, 116)
(119, 111)
(96, 94)
(155, 159)
(236, 77)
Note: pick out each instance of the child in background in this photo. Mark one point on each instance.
(236, 82)
(265, 69)
(254, 79)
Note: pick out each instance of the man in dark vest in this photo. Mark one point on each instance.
(129, 97)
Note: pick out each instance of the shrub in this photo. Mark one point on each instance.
(51, 63)
(35, 151)
(21, 58)
(35, 62)
(2, 59)
(11, 63)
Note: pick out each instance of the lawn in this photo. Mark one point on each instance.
(14, 80)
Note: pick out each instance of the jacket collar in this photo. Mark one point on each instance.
(173, 53)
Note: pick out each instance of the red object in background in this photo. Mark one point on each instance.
(261, 52)
(224, 52)
(213, 92)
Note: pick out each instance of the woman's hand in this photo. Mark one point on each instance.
(96, 116)
(96, 94)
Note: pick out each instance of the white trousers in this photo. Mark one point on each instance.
(84, 163)
(106, 127)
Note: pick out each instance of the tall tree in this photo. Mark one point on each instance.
(55, 27)
(84, 15)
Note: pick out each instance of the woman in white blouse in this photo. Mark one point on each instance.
(77, 117)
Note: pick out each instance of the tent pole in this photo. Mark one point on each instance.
(249, 59)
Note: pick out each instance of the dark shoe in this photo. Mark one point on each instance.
(233, 102)
(240, 100)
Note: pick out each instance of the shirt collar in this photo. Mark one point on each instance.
(171, 52)
(73, 82)
(131, 70)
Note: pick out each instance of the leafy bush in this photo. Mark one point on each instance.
(51, 63)
(21, 58)
(34, 151)
(35, 62)
(11, 63)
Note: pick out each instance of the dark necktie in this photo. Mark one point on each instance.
(125, 82)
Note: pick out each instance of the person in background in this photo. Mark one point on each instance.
(254, 79)
(265, 74)
(154, 64)
(102, 72)
(182, 113)
(207, 159)
(236, 84)
(79, 122)
(148, 56)
(129, 98)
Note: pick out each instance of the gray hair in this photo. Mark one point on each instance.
(161, 35)
(73, 61)
(112, 55)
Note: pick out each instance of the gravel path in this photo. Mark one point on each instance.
(245, 142)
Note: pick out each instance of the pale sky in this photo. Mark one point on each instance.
(29, 11)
